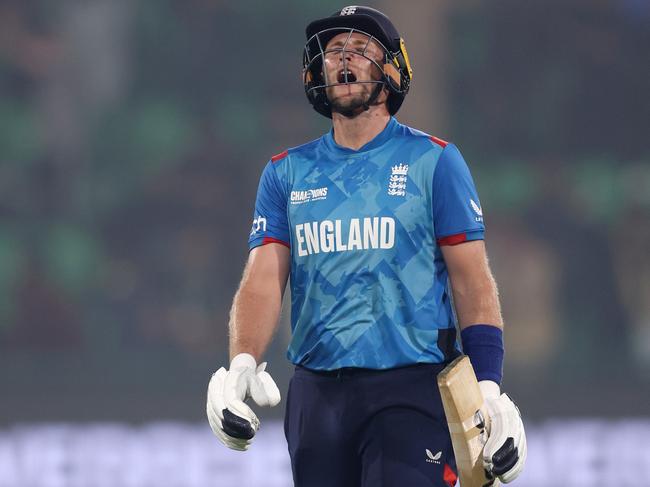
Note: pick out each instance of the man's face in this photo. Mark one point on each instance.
(345, 53)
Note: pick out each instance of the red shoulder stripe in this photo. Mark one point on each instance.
(268, 240)
(440, 142)
(280, 156)
(452, 239)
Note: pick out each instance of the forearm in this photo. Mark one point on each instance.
(474, 290)
(256, 308)
(481, 329)
(477, 301)
(253, 319)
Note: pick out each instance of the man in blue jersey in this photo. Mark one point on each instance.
(378, 226)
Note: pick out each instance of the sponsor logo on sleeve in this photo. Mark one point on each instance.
(259, 224)
(477, 209)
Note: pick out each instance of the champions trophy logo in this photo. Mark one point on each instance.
(397, 181)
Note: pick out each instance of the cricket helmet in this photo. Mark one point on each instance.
(395, 68)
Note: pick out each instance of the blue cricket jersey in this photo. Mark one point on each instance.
(369, 286)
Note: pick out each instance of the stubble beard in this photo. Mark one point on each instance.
(351, 106)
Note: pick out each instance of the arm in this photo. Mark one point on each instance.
(257, 304)
(253, 319)
(458, 219)
(474, 289)
(477, 303)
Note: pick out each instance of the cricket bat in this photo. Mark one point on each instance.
(462, 401)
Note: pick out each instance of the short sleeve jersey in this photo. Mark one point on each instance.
(369, 286)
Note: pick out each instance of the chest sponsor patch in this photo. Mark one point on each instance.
(308, 195)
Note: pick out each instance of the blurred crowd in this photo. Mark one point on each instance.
(132, 135)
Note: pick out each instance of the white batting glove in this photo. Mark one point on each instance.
(504, 453)
(231, 420)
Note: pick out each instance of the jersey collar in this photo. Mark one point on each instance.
(379, 140)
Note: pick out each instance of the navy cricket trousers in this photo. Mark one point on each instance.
(368, 428)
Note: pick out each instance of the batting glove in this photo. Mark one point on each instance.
(231, 420)
(504, 453)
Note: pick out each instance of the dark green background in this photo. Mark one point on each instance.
(132, 134)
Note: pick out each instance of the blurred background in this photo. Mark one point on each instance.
(132, 137)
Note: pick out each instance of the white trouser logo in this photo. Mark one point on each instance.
(433, 458)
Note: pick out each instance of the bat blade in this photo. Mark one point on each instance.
(462, 401)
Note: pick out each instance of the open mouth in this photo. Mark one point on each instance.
(346, 76)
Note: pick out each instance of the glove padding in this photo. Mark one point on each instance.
(504, 453)
(231, 420)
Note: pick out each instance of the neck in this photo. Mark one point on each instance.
(357, 131)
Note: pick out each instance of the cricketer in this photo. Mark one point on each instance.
(380, 229)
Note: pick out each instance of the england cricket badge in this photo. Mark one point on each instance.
(397, 180)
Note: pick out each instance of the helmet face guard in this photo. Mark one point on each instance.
(393, 70)
(315, 75)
